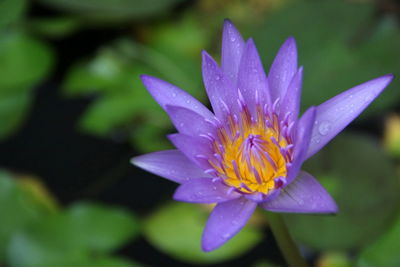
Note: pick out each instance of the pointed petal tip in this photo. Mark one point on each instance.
(389, 77)
(147, 78)
(134, 161)
(228, 23)
(207, 247)
(290, 42)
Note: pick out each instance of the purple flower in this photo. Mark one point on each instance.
(250, 150)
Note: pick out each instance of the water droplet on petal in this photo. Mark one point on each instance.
(368, 98)
(324, 127)
(217, 77)
(233, 39)
(173, 94)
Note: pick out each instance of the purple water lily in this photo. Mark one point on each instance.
(250, 150)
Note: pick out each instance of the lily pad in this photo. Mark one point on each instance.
(384, 252)
(176, 230)
(362, 180)
(11, 10)
(123, 108)
(73, 237)
(19, 209)
(25, 61)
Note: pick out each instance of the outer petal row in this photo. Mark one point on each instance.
(225, 221)
(303, 195)
(205, 190)
(189, 122)
(170, 164)
(336, 113)
(220, 90)
(167, 94)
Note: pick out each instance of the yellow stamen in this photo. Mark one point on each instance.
(251, 160)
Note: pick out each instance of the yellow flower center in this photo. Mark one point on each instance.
(252, 153)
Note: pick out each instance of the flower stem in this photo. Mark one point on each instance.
(285, 242)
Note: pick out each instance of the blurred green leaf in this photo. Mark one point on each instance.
(24, 62)
(113, 10)
(343, 45)
(13, 110)
(54, 27)
(18, 209)
(384, 252)
(123, 107)
(176, 230)
(11, 10)
(365, 187)
(28, 251)
(99, 228)
(73, 237)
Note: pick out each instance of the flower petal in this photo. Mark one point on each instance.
(189, 122)
(205, 190)
(252, 80)
(232, 49)
(291, 100)
(304, 195)
(336, 113)
(283, 69)
(220, 90)
(197, 149)
(225, 221)
(170, 164)
(167, 94)
(302, 141)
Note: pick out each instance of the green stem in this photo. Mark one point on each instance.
(285, 242)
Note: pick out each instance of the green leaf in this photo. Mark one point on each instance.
(123, 107)
(24, 62)
(344, 45)
(14, 108)
(11, 10)
(37, 253)
(176, 230)
(54, 27)
(18, 207)
(384, 252)
(73, 237)
(362, 180)
(99, 228)
(111, 10)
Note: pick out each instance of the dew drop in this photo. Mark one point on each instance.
(173, 94)
(217, 77)
(233, 39)
(368, 98)
(324, 128)
(226, 236)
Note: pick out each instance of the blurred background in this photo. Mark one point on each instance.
(73, 112)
